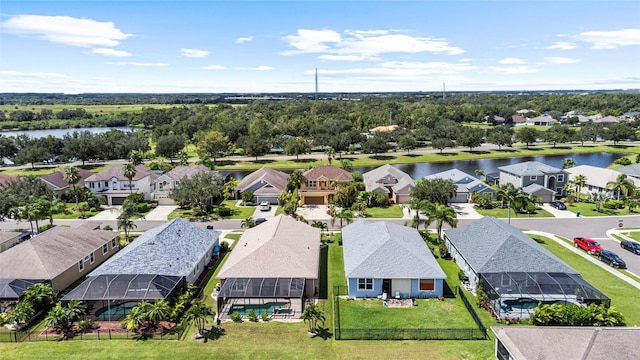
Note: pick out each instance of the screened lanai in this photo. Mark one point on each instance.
(519, 293)
(280, 297)
(13, 289)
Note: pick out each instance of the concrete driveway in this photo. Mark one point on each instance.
(265, 214)
(160, 212)
(558, 213)
(111, 213)
(314, 212)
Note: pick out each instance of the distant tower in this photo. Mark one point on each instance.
(444, 94)
(316, 83)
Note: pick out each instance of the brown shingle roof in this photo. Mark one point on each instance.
(118, 172)
(6, 179)
(180, 172)
(57, 178)
(328, 171)
(51, 253)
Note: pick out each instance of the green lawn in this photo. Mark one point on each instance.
(239, 212)
(390, 212)
(635, 235)
(589, 209)
(504, 213)
(72, 213)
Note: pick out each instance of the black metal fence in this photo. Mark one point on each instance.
(472, 311)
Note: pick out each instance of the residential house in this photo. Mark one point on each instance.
(114, 186)
(266, 184)
(8, 239)
(168, 181)
(390, 180)
(274, 267)
(320, 186)
(385, 258)
(607, 120)
(631, 115)
(466, 184)
(154, 266)
(518, 120)
(56, 180)
(632, 170)
(60, 255)
(388, 128)
(566, 342)
(597, 177)
(541, 120)
(515, 271)
(495, 119)
(535, 178)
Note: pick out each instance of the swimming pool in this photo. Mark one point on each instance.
(258, 308)
(115, 312)
(529, 304)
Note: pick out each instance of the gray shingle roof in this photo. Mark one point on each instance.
(534, 188)
(530, 168)
(386, 175)
(465, 182)
(631, 170)
(180, 172)
(275, 178)
(171, 249)
(490, 246)
(387, 250)
(117, 171)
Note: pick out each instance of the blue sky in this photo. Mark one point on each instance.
(275, 46)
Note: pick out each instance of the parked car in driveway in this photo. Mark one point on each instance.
(611, 258)
(632, 246)
(264, 206)
(259, 221)
(559, 205)
(589, 245)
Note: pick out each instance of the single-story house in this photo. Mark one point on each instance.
(56, 180)
(60, 255)
(566, 342)
(390, 180)
(466, 184)
(607, 120)
(524, 174)
(8, 239)
(114, 186)
(154, 266)
(168, 181)
(518, 120)
(541, 120)
(597, 177)
(319, 188)
(385, 258)
(515, 271)
(274, 267)
(632, 170)
(266, 184)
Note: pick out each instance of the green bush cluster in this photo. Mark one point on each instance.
(252, 316)
(614, 204)
(236, 317)
(181, 302)
(576, 315)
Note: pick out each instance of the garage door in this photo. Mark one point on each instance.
(117, 200)
(273, 200)
(313, 200)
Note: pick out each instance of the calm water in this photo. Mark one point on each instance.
(420, 170)
(59, 133)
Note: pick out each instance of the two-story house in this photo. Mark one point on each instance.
(168, 181)
(320, 188)
(115, 187)
(535, 178)
(391, 181)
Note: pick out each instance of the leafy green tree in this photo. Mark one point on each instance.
(201, 192)
(442, 214)
(7, 147)
(558, 134)
(375, 146)
(568, 163)
(125, 219)
(619, 132)
(296, 146)
(229, 189)
(130, 172)
(470, 137)
(51, 207)
(157, 311)
(442, 143)
(434, 190)
(62, 318)
(136, 157)
(41, 295)
(23, 311)
(527, 135)
(214, 145)
(418, 206)
(183, 157)
(501, 136)
(587, 132)
(169, 145)
(254, 146)
(407, 142)
(247, 196)
(346, 195)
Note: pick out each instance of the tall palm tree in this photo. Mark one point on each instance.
(248, 223)
(295, 180)
(598, 198)
(129, 172)
(621, 185)
(72, 177)
(442, 214)
(200, 312)
(55, 206)
(419, 206)
(579, 182)
(313, 315)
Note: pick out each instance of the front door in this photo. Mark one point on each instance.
(386, 286)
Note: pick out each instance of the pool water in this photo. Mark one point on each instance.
(115, 311)
(529, 304)
(258, 308)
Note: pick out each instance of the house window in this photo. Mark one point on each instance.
(533, 178)
(105, 249)
(311, 183)
(113, 243)
(558, 190)
(106, 184)
(86, 258)
(365, 284)
(93, 258)
(81, 265)
(561, 178)
(427, 285)
(590, 187)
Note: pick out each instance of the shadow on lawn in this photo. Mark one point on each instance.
(323, 333)
(215, 333)
(382, 157)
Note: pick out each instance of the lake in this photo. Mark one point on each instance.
(417, 171)
(59, 133)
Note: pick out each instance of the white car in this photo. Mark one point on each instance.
(264, 206)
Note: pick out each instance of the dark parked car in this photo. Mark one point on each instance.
(632, 246)
(559, 205)
(260, 220)
(612, 259)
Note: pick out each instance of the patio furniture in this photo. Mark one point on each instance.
(397, 294)
(384, 296)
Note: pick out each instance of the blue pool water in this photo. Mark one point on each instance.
(258, 308)
(115, 311)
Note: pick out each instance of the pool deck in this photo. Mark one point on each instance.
(293, 312)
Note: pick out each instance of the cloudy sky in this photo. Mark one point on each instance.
(275, 46)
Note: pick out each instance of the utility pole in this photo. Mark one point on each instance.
(444, 94)
(316, 97)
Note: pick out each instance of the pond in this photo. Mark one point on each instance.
(59, 133)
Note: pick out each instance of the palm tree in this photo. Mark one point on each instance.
(199, 312)
(442, 214)
(330, 154)
(313, 316)
(319, 224)
(479, 172)
(568, 163)
(55, 206)
(135, 317)
(598, 198)
(418, 206)
(345, 215)
(295, 180)
(72, 177)
(248, 223)
(158, 311)
(620, 185)
(579, 182)
(130, 172)
(40, 295)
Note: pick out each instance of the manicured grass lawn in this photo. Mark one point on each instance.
(389, 212)
(241, 212)
(73, 214)
(504, 213)
(635, 235)
(589, 209)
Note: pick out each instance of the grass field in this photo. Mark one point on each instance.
(589, 209)
(239, 212)
(504, 213)
(391, 212)
(91, 109)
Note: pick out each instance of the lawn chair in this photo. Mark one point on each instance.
(384, 296)
(397, 294)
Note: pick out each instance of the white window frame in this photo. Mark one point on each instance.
(365, 284)
(105, 249)
(92, 258)
(114, 244)
(560, 178)
(81, 265)
(533, 177)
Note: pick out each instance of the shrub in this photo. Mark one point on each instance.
(137, 198)
(252, 316)
(575, 315)
(224, 246)
(483, 298)
(236, 317)
(614, 204)
(44, 228)
(623, 161)
(3, 318)
(143, 207)
(84, 325)
(223, 211)
(265, 316)
(107, 227)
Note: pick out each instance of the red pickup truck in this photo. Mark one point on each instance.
(589, 245)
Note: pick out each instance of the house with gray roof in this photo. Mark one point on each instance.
(391, 181)
(516, 272)
(8, 239)
(527, 173)
(386, 258)
(597, 178)
(542, 120)
(168, 181)
(266, 184)
(632, 170)
(466, 185)
(111, 183)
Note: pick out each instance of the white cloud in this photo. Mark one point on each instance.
(32, 74)
(511, 61)
(242, 40)
(132, 63)
(213, 67)
(194, 53)
(562, 45)
(466, 60)
(257, 68)
(511, 70)
(363, 44)
(611, 39)
(110, 52)
(66, 30)
(561, 60)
